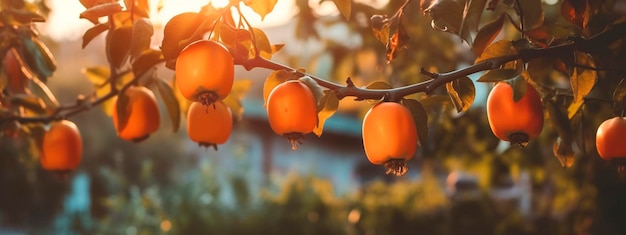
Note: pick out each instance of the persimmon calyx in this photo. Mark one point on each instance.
(397, 167)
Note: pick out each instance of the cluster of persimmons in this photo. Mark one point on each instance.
(389, 132)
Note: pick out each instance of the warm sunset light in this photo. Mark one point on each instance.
(63, 22)
(329, 117)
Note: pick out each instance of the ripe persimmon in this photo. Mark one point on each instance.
(143, 114)
(205, 71)
(610, 139)
(62, 147)
(517, 122)
(209, 125)
(292, 111)
(390, 136)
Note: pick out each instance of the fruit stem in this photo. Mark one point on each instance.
(397, 167)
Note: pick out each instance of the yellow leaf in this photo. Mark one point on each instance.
(262, 43)
(98, 75)
(496, 49)
(583, 80)
(345, 7)
(274, 79)
(261, 7)
(462, 93)
(329, 104)
(233, 100)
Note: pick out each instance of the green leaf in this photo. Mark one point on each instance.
(471, 18)
(318, 91)
(123, 111)
(420, 117)
(496, 49)
(447, 16)
(171, 103)
(41, 90)
(519, 86)
(326, 107)
(93, 13)
(345, 7)
(619, 96)
(98, 75)
(39, 58)
(563, 152)
(583, 80)
(141, 34)
(487, 34)
(462, 93)
(93, 32)
(562, 147)
(237, 93)
(559, 120)
(261, 7)
(118, 45)
(533, 13)
(498, 75)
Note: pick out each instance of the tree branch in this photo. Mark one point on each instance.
(395, 94)
(439, 79)
(80, 105)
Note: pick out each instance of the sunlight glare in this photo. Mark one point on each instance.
(64, 24)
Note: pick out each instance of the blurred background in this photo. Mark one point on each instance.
(462, 181)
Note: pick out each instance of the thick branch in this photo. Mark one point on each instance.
(80, 105)
(439, 79)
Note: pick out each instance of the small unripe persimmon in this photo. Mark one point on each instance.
(517, 122)
(205, 71)
(292, 111)
(143, 115)
(209, 125)
(390, 136)
(62, 147)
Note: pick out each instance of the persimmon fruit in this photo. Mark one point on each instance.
(292, 111)
(516, 122)
(610, 139)
(209, 125)
(62, 147)
(143, 114)
(390, 136)
(205, 71)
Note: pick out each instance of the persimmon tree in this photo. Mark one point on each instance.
(561, 61)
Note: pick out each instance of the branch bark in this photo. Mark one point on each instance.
(438, 79)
